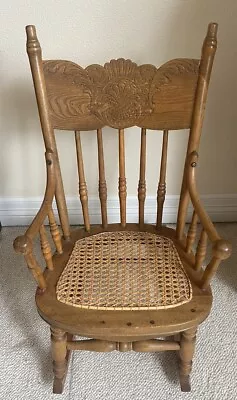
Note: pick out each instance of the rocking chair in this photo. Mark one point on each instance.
(124, 286)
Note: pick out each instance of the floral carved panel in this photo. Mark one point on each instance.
(119, 94)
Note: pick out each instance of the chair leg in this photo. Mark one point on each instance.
(60, 357)
(187, 347)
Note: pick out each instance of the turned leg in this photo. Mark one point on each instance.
(60, 358)
(187, 347)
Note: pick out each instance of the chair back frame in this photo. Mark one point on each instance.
(121, 94)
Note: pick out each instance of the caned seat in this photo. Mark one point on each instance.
(122, 285)
(124, 271)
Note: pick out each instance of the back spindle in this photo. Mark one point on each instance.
(82, 182)
(102, 181)
(46, 249)
(142, 180)
(55, 231)
(122, 179)
(191, 236)
(161, 191)
(201, 250)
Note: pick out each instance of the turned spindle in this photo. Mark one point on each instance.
(161, 191)
(82, 182)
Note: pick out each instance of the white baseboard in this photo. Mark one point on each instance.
(20, 211)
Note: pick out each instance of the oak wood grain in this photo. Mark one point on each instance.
(121, 94)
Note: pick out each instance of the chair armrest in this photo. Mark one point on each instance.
(23, 244)
(221, 249)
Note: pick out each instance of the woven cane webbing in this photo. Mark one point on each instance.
(124, 271)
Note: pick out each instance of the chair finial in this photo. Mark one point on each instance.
(212, 29)
(32, 44)
(211, 37)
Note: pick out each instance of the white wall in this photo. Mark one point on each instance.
(93, 31)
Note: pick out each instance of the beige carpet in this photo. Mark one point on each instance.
(25, 362)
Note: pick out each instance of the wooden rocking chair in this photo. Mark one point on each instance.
(122, 285)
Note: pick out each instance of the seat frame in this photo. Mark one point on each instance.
(122, 330)
(125, 330)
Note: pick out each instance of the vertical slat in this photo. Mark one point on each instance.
(142, 180)
(201, 250)
(102, 181)
(46, 249)
(82, 182)
(122, 179)
(55, 231)
(162, 184)
(192, 232)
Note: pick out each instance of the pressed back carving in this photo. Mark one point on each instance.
(121, 94)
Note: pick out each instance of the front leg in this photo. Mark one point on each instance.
(187, 347)
(60, 357)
